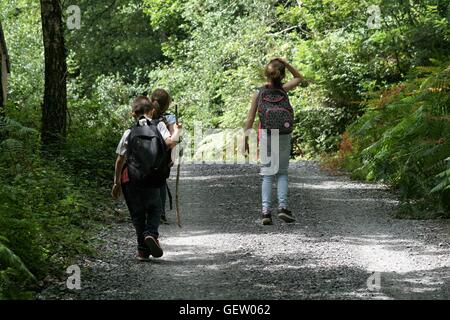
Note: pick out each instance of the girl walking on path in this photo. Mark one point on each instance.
(275, 113)
(141, 183)
(163, 98)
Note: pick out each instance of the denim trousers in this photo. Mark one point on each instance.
(281, 156)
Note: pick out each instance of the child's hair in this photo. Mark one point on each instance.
(142, 105)
(275, 72)
(163, 99)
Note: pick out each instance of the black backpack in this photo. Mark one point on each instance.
(148, 157)
(275, 110)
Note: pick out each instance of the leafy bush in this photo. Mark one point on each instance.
(45, 212)
(12, 272)
(443, 179)
(404, 140)
(318, 127)
(96, 126)
(215, 66)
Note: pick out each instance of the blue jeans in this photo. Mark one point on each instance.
(283, 155)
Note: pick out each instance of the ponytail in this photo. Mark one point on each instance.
(156, 109)
(163, 98)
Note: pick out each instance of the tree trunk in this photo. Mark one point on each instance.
(2, 71)
(2, 109)
(54, 107)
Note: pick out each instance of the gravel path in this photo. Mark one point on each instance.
(344, 233)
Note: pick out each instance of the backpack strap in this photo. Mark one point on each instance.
(154, 122)
(128, 138)
(138, 122)
(149, 122)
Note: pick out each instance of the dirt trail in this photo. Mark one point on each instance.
(344, 233)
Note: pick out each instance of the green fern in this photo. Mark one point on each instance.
(9, 260)
(444, 176)
(406, 143)
(12, 145)
(15, 129)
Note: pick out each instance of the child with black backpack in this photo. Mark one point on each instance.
(275, 112)
(142, 166)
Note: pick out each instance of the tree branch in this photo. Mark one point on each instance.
(283, 31)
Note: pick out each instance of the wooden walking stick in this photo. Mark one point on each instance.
(177, 185)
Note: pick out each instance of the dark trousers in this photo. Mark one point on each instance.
(145, 208)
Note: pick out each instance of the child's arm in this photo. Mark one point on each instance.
(171, 120)
(252, 113)
(116, 190)
(250, 120)
(171, 129)
(298, 78)
(175, 138)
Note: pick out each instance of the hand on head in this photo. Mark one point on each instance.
(282, 60)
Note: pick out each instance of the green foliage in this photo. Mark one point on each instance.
(12, 271)
(96, 126)
(48, 207)
(45, 212)
(404, 138)
(210, 55)
(115, 38)
(215, 70)
(318, 127)
(317, 130)
(444, 179)
(349, 60)
(165, 15)
(22, 27)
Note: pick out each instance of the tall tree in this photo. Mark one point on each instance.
(54, 107)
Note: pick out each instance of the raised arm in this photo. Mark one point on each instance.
(298, 78)
(249, 123)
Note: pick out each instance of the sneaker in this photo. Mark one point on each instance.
(154, 247)
(143, 256)
(285, 215)
(266, 218)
